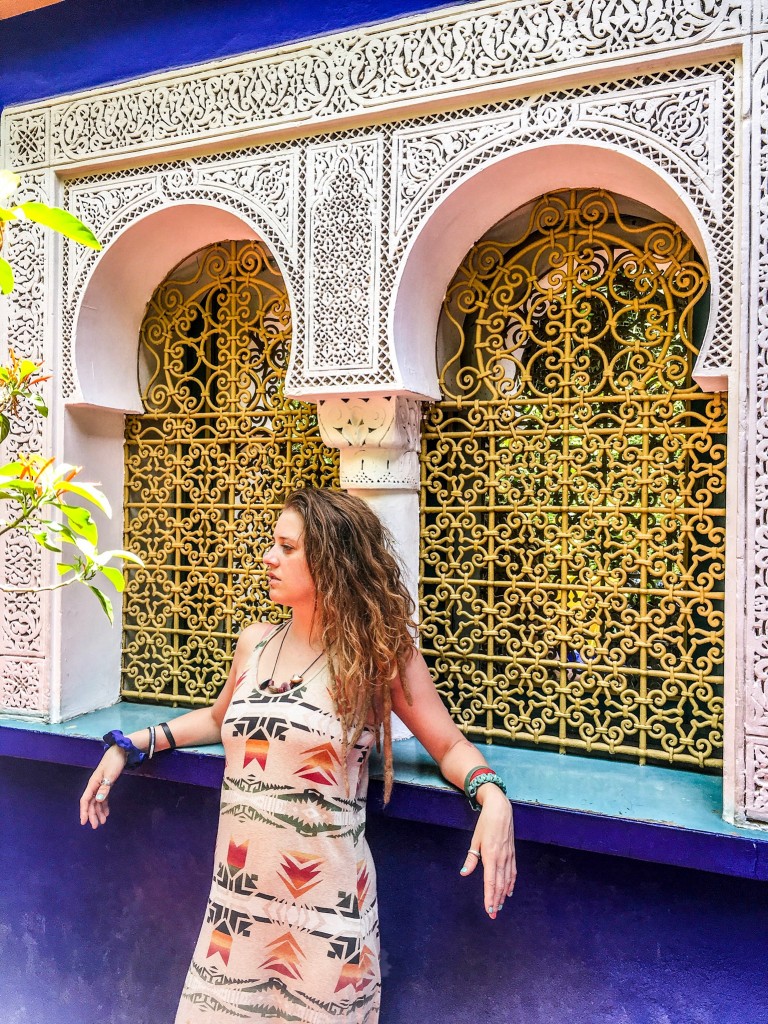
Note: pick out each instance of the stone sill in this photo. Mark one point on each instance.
(647, 813)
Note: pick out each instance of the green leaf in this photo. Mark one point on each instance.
(105, 603)
(44, 539)
(89, 492)
(27, 368)
(81, 521)
(16, 487)
(39, 403)
(6, 277)
(87, 548)
(127, 556)
(5, 427)
(6, 214)
(62, 568)
(59, 220)
(115, 577)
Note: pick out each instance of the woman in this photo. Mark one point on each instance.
(291, 929)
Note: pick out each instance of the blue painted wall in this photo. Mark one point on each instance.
(78, 44)
(99, 926)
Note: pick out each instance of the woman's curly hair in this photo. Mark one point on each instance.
(364, 608)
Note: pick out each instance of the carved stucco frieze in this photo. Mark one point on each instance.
(340, 209)
(23, 688)
(756, 570)
(260, 186)
(682, 121)
(20, 559)
(757, 780)
(474, 47)
(378, 437)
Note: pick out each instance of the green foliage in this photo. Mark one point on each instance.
(60, 221)
(43, 499)
(40, 492)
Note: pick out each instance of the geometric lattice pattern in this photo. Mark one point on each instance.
(573, 492)
(207, 468)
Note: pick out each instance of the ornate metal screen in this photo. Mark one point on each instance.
(573, 482)
(208, 467)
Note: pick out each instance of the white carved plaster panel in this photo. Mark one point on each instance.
(345, 243)
(344, 200)
(378, 437)
(757, 780)
(23, 686)
(756, 572)
(379, 469)
(259, 186)
(21, 616)
(390, 421)
(432, 155)
(28, 137)
(475, 47)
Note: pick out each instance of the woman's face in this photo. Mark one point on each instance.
(290, 582)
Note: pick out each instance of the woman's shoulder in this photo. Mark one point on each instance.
(254, 634)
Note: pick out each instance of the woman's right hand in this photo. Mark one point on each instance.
(94, 803)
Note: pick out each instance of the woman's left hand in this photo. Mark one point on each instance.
(493, 842)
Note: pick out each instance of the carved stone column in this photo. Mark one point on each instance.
(378, 437)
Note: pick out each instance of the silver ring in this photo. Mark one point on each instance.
(475, 853)
(105, 782)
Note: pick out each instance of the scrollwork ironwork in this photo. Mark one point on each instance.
(207, 468)
(573, 483)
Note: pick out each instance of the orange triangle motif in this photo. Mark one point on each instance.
(363, 882)
(319, 765)
(221, 943)
(357, 975)
(300, 872)
(256, 750)
(236, 854)
(284, 958)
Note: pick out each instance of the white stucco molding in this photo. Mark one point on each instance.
(467, 54)
(378, 438)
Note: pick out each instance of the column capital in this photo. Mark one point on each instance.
(378, 438)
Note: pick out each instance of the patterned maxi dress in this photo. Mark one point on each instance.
(291, 931)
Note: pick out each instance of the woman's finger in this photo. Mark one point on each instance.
(93, 804)
(489, 885)
(472, 859)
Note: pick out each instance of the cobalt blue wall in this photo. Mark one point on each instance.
(78, 44)
(99, 926)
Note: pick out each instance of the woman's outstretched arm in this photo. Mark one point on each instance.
(493, 839)
(197, 728)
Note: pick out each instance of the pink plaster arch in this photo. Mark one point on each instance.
(494, 191)
(115, 297)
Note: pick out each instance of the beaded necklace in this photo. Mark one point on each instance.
(296, 680)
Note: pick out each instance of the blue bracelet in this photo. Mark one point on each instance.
(133, 755)
(480, 780)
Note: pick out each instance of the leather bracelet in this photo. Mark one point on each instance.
(476, 781)
(168, 735)
(133, 756)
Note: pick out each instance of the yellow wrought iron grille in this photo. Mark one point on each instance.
(207, 469)
(573, 482)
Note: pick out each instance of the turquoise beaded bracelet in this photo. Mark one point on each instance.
(471, 787)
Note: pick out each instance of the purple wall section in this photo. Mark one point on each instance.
(99, 926)
(79, 44)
